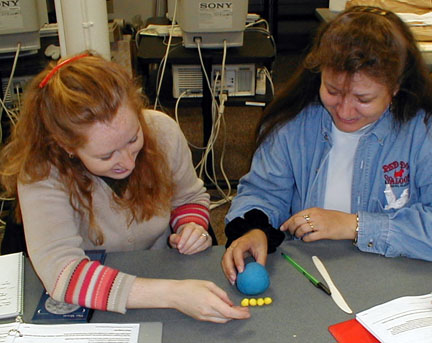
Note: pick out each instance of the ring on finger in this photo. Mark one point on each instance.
(206, 235)
(308, 220)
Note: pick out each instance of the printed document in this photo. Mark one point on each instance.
(66, 333)
(406, 319)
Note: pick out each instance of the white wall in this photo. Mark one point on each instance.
(127, 9)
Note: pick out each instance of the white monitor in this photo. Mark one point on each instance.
(212, 22)
(19, 23)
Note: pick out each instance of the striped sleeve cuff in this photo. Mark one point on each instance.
(189, 213)
(96, 286)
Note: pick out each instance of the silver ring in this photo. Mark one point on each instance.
(206, 235)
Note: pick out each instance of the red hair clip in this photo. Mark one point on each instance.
(57, 67)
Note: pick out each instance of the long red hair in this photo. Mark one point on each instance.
(51, 122)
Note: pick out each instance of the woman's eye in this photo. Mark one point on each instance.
(364, 101)
(133, 140)
(106, 158)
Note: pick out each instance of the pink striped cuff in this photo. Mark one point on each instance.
(90, 285)
(189, 213)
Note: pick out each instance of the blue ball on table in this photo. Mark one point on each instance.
(253, 280)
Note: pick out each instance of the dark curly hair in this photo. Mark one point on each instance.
(360, 39)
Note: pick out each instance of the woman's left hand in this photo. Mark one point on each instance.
(315, 223)
(190, 239)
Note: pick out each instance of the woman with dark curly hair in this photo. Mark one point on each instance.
(345, 151)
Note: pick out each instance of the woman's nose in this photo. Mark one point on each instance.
(127, 159)
(345, 108)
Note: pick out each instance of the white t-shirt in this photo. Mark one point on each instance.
(340, 169)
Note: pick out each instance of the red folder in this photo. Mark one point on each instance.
(351, 331)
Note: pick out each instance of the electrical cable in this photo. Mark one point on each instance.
(217, 118)
(211, 141)
(18, 92)
(11, 76)
(198, 43)
(178, 121)
(259, 21)
(165, 58)
(267, 33)
(222, 98)
(12, 116)
(269, 77)
(15, 62)
(217, 111)
(215, 108)
(137, 37)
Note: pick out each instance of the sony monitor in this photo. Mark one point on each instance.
(210, 22)
(19, 23)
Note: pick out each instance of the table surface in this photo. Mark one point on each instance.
(299, 313)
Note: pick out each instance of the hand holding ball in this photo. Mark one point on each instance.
(253, 280)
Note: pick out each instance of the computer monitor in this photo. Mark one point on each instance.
(19, 23)
(212, 22)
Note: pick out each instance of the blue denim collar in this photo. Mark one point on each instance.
(380, 129)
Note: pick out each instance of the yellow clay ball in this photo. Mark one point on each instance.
(260, 301)
(252, 302)
(268, 300)
(245, 302)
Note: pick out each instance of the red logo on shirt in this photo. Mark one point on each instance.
(396, 173)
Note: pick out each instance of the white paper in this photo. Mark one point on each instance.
(406, 319)
(7, 332)
(425, 46)
(416, 19)
(11, 285)
(83, 333)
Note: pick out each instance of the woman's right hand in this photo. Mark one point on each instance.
(253, 243)
(203, 300)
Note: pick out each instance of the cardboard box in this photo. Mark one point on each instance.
(123, 52)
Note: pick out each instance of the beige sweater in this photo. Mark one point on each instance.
(57, 236)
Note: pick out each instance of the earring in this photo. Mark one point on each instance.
(71, 156)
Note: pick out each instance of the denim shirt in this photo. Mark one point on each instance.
(391, 188)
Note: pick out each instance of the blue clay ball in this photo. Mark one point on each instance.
(253, 280)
